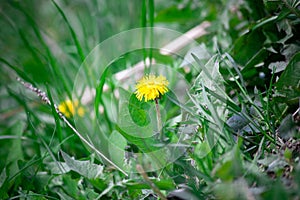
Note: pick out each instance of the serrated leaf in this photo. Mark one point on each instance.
(277, 66)
(199, 51)
(84, 168)
(58, 167)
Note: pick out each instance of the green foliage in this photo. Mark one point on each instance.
(230, 129)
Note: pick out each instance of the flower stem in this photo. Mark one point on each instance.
(158, 117)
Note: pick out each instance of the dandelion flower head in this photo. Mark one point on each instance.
(69, 108)
(151, 87)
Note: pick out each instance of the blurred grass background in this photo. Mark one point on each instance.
(45, 42)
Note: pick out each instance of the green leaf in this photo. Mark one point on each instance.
(234, 190)
(117, 144)
(174, 14)
(139, 111)
(144, 144)
(15, 152)
(257, 8)
(163, 184)
(291, 74)
(276, 191)
(249, 71)
(288, 128)
(247, 46)
(126, 122)
(264, 21)
(230, 165)
(3, 177)
(58, 167)
(288, 84)
(84, 168)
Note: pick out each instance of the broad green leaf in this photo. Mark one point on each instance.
(15, 152)
(139, 111)
(247, 46)
(288, 128)
(230, 166)
(125, 121)
(33, 196)
(291, 75)
(84, 168)
(174, 14)
(288, 84)
(264, 21)
(58, 167)
(71, 189)
(151, 149)
(144, 144)
(259, 57)
(163, 184)
(257, 9)
(117, 144)
(235, 190)
(3, 177)
(276, 191)
(202, 149)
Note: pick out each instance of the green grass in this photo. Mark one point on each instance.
(230, 120)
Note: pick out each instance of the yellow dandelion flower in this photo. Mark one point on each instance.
(69, 108)
(151, 87)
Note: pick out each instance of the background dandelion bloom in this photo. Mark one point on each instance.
(68, 108)
(151, 87)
